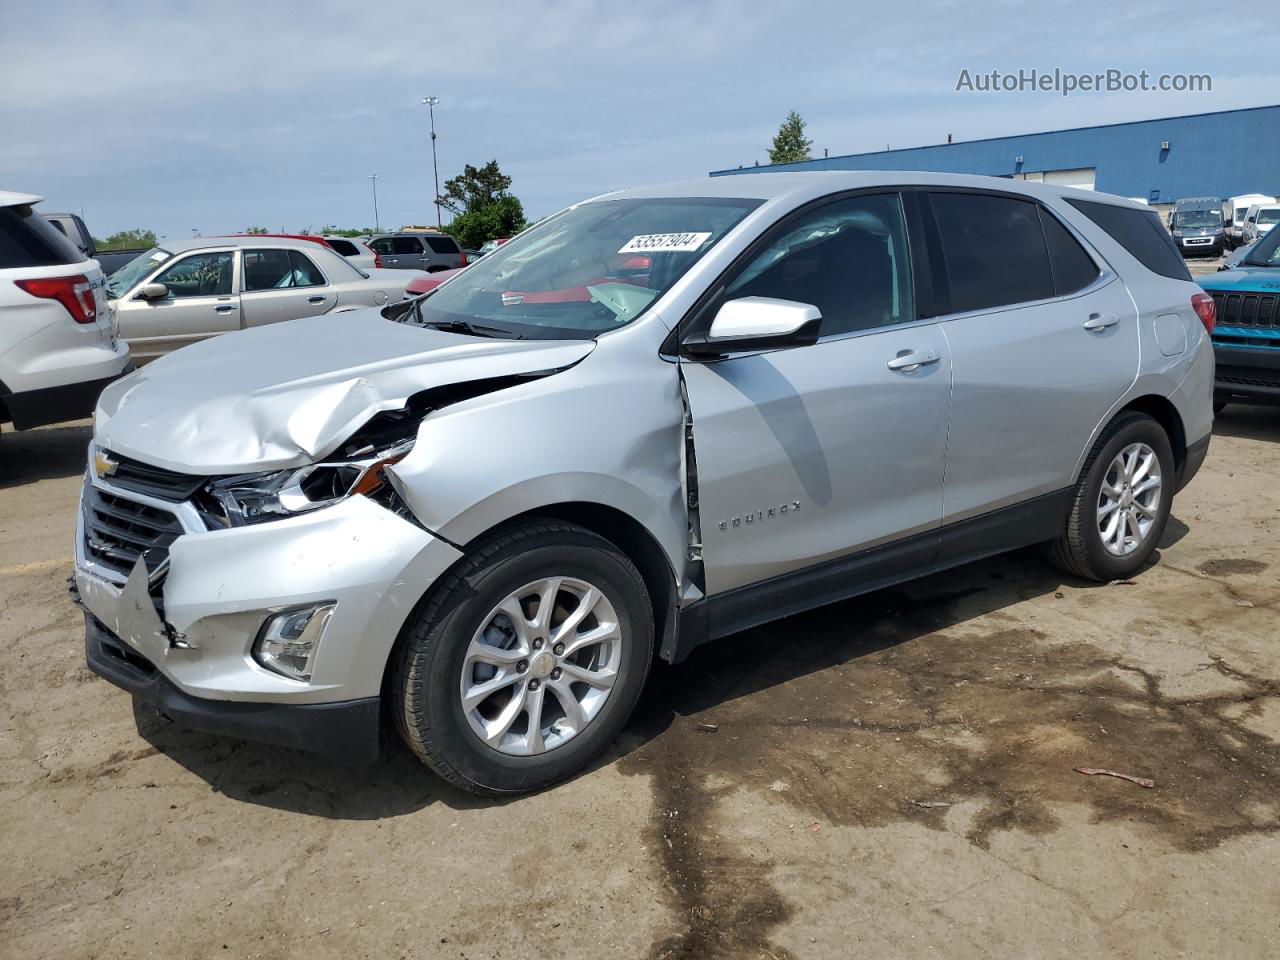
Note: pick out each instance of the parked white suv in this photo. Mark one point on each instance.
(58, 348)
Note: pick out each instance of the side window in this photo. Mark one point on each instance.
(1073, 268)
(847, 258)
(267, 269)
(344, 247)
(382, 246)
(409, 245)
(993, 249)
(305, 272)
(1140, 233)
(442, 244)
(200, 275)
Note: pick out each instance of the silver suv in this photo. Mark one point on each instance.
(659, 417)
(418, 251)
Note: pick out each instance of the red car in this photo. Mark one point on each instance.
(428, 282)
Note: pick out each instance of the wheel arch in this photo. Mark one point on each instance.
(1159, 409)
(621, 529)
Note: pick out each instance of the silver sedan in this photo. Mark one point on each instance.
(193, 289)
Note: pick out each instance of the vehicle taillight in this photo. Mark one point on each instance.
(377, 262)
(1206, 310)
(464, 260)
(74, 293)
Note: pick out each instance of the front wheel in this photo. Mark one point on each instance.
(1121, 501)
(526, 661)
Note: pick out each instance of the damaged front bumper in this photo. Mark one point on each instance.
(181, 638)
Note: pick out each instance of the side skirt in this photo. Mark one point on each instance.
(1022, 524)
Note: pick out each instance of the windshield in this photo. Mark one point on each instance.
(128, 276)
(1198, 218)
(593, 268)
(1266, 252)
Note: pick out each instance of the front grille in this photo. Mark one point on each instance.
(154, 481)
(1248, 309)
(115, 648)
(118, 530)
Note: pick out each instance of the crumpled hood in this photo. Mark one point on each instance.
(1244, 278)
(289, 393)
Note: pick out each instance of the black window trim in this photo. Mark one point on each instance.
(943, 297)
(692, 321)
(244, 280)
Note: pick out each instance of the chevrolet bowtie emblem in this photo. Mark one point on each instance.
(103, 465)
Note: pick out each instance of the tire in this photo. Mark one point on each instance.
(1081, 550)
(440, 642)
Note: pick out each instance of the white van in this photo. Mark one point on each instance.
(1259, 219)
(1234, 210)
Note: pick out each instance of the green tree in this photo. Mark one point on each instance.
(135, 239)
(482, 205)
(255, 231)
(790, 145)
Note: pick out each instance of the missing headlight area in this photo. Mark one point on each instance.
(356, 467)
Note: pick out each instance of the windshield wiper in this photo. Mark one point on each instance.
(461, 326)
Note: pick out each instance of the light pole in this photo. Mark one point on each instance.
(373, 178)
(435, 169)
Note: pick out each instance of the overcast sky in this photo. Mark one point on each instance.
(219, 116)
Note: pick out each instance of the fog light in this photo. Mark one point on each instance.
(287, 642)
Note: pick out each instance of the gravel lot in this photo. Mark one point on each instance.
(890, 777)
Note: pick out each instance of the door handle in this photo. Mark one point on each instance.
(224, 308)
(910, 360)
(1097, 321)
(317, 299)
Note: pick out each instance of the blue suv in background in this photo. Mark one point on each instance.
(1246, 340)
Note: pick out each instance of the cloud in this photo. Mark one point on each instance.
(224, 115)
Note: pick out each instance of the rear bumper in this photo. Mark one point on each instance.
(71, 401)
(1251, 375)
(348, 730)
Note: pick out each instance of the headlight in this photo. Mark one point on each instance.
(1177, 233)
(269, 496)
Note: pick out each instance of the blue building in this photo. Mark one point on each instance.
(1222, 154)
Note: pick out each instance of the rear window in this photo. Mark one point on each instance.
(994, 250)
(1073, 268)
(28, 240)
(1140, 233)
(344, 247)
(442, 244)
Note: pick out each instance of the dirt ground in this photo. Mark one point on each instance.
(889, 777)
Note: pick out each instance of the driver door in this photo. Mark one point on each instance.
(203, 301)
(809, 455)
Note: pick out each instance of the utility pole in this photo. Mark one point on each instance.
(373, 178)
(435, 169)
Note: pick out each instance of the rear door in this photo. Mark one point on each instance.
(282, 285)
(203, 301)
(811, 453)
(1044, 341)
(444, 252)
(406, 253)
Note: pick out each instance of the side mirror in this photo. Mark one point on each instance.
(153, 291)
(753, 323)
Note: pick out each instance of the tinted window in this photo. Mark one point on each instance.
(381, 246)
(1140, 233)
(408, 245)
(305, 273)
(199, 275)
(345, 247)
(1073, 268)
(279, 270)
(28, 240)
(848, 258)
(993, 249)
(442, 244)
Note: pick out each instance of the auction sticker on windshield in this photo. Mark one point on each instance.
(665, 243)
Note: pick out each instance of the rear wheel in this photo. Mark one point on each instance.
(1121, 501)
(527, 660)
